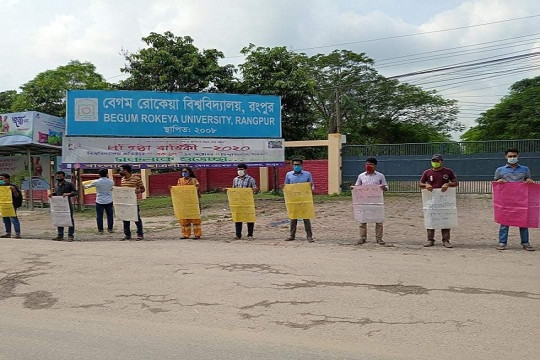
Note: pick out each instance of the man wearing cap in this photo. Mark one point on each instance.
(438, 177)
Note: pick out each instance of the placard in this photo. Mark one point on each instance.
(90, 190)
(125, 203)
(185, 201)
(368, 204)
(242, 204)
(60, 211)
(516, 204)
(299, 201)
(6, 202)
(440, 210)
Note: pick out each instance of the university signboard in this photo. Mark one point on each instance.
(165, 114)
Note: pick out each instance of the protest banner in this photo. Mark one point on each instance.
(299, 201)
(6, 202)
(242, 204)
(516, 204)
(185, 202)
(125, 203)
(60, 211)
(440, 210)
(368, 203)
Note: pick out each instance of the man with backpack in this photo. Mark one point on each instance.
(16, 195)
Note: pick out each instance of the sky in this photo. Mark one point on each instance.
(36, 36)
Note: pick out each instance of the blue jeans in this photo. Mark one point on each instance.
(503, 235)
(71, 229)
(108, 208)
(16, 224)
(138, 223)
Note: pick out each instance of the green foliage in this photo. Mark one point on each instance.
(6, 100)
(516, 116)
(173, 63)
(47, 91)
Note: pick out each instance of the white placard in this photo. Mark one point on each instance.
(125, 203)
(60, 211)
(440, 210)
(368, 203)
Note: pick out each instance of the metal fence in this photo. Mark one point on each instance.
(474, 162)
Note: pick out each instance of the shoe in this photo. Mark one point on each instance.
(501, 246)
(140, 237)
(70, 238)
(18, 236)
(380, 242)
(126, 238)
(100, 232)
(290, 238)
(360, 242)
(527, 247)
(250, 237)
(237, 237)
(184, 237)
(310, 239)
(110, 231)
(196, 237)
(447, 244)
(5, 236)
(429, 243)
(58, 238)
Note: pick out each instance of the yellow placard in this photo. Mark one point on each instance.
(299, 201)
(6, 202)
(242, 204)
(185, 202)
(91, 190)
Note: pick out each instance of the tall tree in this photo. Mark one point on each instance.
(173, 63)
(7, 98)
(516, 116)
(47, 91)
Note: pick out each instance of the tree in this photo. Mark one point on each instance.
(6, 100)
(173, 63)
(47, 91)
(516, 116)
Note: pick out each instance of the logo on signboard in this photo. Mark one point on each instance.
(86, 109)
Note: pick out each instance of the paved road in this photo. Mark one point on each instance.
(240, 300)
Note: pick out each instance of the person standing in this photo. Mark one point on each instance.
(16, 196)
(513, 172)
(135, 182)
(298, 175)
(243, 180)
(438, 177)
(371, 177)
(65, 189)
(104, 200)
(188, 178)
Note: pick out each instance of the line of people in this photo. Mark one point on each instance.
(436, 177)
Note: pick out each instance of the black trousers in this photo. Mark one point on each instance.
(238, 226)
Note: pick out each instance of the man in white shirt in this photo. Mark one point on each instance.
(371, 177)
(104, 201)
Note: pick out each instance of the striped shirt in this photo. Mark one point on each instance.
(245, 181)
(134, 181)
(375, 178)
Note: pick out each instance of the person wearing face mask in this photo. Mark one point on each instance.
(135, 182)
(243, 180)
(65, 189)
(513, 172)
(371, 177)
(298, 175)
(16, 196)
(438, 177)
(188, 178)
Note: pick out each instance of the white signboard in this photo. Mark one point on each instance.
(31, 127)
(125, 203)
(90, 152)
(368, 203)
(60, 212)
(440, 210)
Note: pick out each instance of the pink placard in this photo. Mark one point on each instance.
(516, 204)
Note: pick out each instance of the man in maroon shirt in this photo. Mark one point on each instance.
(438, 177)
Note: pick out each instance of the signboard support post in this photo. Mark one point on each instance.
(30, 182)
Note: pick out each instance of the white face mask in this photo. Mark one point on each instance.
(241, 172)
(512, 160)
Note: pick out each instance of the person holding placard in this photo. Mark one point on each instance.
(104, 200)
(132, 181)
(188, 178)
(243, 180)
(438, 177)
(371, 177)
(298, 175)
(16, 200)
(513, 172)
(67, 190)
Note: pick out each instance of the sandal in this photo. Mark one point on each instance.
(528, 247)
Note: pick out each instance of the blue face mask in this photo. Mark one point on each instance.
(185, 174)
(297, 168)
(2, 182)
